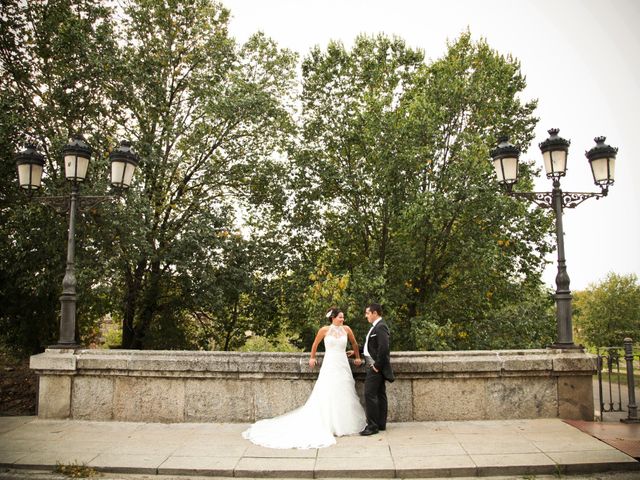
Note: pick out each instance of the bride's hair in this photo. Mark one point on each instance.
(333, 313)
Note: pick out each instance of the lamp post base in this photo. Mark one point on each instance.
(566, 346)
(65, 346)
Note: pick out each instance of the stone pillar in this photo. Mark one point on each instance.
(56, 368)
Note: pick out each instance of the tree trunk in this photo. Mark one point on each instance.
(133, 282)
(234, 321)
(150, 305)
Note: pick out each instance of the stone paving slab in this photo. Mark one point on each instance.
(207, 466)
(128, 463)
(513, 464)
(48, 459)
(429, 450)
(404, 450)
(435, 466)
(256, 451)
(275, 467)
(200, 450)
(360, 467)
(358, 451)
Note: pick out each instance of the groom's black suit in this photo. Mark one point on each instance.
(375, 394)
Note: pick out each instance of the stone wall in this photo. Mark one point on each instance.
(186, 386)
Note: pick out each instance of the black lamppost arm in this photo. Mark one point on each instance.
(569, 199)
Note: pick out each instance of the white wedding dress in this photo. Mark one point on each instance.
(333, 408)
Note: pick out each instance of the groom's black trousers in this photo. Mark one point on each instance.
(375, 398)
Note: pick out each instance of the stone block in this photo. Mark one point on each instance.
(276, 396)
(521, 397)
(575, 397)
(526, 363)
(102, 362)
(214, 364)
(427, 364)
(449, 399)
(157, 363)
(218, 400)
(273, 363)
(92, 398)
(148, 399)
(399, 396)
(574, 362)
(54, 396)
(471, 363)
(53, 359)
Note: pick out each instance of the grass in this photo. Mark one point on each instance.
(560, 470)
(75, 470)
(619, 377)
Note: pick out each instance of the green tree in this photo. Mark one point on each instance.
(384, 193)
(608, 311)
(232, 295)
(393, 177)
(207, 117)
(56, 62)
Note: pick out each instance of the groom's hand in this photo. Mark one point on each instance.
(349, 353)
(374, 369)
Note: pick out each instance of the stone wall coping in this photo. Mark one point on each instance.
(405, 364)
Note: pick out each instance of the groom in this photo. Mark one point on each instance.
(376, 354)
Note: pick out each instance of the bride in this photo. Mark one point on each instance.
(333, 408)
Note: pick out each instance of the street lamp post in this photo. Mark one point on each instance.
(554, 153)
(76, 155)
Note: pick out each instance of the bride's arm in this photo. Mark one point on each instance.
(319, 336)
(354, 345)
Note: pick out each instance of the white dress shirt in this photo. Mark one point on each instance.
(365, 350)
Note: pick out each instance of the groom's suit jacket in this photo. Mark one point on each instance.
(378, 347)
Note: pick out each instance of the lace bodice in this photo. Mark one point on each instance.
(336, 339)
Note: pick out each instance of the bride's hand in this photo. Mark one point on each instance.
(312, 362)
(357, 362)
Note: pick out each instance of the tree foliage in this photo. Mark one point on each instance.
(259, 201)
(207, 116)
(607, 312)
(392, 174)
(56, 60)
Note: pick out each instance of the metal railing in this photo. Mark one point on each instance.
(609, 372)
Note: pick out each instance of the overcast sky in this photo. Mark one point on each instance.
(582, 62)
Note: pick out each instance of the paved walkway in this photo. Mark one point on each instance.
(428, 449)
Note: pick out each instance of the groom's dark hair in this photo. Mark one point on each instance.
(375, 307)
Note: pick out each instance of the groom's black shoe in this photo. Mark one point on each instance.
(369, 431)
